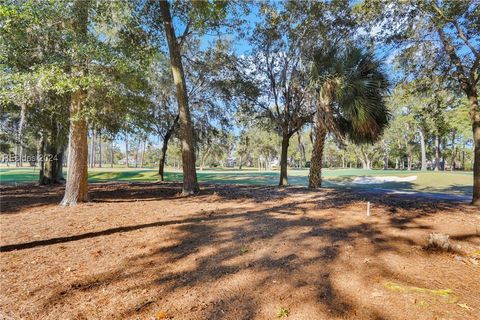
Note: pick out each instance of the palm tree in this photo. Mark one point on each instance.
(349, 87)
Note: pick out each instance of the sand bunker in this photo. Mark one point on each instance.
(377, 180)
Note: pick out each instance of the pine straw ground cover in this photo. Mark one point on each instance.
(142, 251)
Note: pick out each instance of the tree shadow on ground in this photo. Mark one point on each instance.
(134, 192)
(220, 258)
(453, 189)
(16, 198)
(222, 265)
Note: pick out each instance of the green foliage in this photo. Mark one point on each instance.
(351, 87)
(37, 54)
(444, 293)
(412, 27)
(206, 14)
(243, 250)
(270, 90)
(282, 312)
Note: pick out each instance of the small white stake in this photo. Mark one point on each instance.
(368, 209)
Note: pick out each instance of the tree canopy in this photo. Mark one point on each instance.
(377, 83)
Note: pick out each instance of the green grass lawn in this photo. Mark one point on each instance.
(442, 182)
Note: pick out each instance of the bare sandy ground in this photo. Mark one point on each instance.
(142, 251)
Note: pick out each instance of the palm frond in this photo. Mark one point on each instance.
(353, 82)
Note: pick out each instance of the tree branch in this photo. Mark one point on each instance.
(462, 76)
(184, 35)
(464, 38)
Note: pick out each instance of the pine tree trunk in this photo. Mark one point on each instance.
(126, 149)
(40, 157)
(454, 152)
(385, 156)
(38, 161)
(475, 117)
(190, 184)
(76, 189)
(21, 125)
(163, 156)
(315, 177)
(59, 163)
(137, 147)
(443, 163)
(17, 147)
(437, 153)
(89, 148)
(111, 153)
(423, 151)
(92, 151)
(50, 168)
(409, 156)
(143, 154)
(284, 160)
(100, 149)
(50, 174)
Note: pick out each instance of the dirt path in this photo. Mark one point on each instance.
(141, 251)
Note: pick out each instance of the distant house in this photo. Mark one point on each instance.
(231, 162)
(131, 161)
(275, 163)
(271, 163)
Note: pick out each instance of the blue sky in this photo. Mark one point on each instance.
(241, 46)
